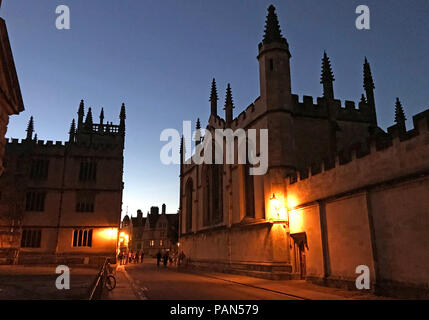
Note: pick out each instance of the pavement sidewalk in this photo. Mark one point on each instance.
(21, 282)
(299, 288)
(125, 289)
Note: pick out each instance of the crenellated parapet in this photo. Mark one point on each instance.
(35, 143)
(321, 109)
(42, 145)
(333, 109)
(383, 157)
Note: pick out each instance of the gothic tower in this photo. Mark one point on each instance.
(274, 65)
(275, 94)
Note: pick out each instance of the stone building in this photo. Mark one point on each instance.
(10, 93)
(62, 201)
(339, 191)
(153, 233)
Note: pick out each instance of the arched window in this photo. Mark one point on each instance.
(213, 199)
(188, 196)
(249, 185)
(207, 198)
(217, 173)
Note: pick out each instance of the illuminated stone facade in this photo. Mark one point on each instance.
(228, 220)
(62, 201)
(157, 232)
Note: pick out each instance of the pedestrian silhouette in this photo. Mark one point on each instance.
(158, 258)
(165, 258)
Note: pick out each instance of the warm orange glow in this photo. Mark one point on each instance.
(123, 239)
(109, 233)
(278, 210)
(296, 221)
(291, 202)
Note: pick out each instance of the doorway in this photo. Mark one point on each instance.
(300, 248)
(302, 262)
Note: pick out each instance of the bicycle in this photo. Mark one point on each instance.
(110, 281)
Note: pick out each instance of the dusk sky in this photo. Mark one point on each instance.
(159, 56)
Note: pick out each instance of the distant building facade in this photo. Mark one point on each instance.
(62, 201)
(10, 93)
(153, 233)
(339, 191)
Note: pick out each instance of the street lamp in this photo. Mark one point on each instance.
(278, 210)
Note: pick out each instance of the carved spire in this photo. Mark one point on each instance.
(327, 77)
(122, 117)
(80, 114)
(273, 32)
(72, 131)
(213, 98)
(198, 132)
(229, 105)
(88, 120)
(400, 115)
(368, 84)
(30, 129)
(102, 116)
(363, 99)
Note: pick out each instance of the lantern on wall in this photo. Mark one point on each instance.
(278, 210)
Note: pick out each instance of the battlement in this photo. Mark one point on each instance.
(247, 115)
(13, 142)
(387, 156)
(105, 128)
(219, 121)
(244, 114)
(322, 108)
(47, 143)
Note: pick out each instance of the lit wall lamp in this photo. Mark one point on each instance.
(278, 210)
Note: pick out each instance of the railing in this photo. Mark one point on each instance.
(98, 289)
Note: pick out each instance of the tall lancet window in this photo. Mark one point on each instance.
(217, 173)
(249, 185)
(189, 202)
(207, 198)
(213, 192)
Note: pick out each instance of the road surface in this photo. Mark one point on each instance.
(160, 283)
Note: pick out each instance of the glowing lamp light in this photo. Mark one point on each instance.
(110, 233)
(278, 211)
(291, 202)
(123, 239)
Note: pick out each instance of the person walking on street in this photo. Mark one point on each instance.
(181, 257)
(158, 258)
(141, 257)
(165, 259)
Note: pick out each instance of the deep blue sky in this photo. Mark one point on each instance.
(159, 57)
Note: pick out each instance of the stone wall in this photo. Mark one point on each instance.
(262, 247)
(62, 186)
(370, 211)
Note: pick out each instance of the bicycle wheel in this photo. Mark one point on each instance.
(110, 282)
